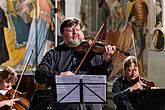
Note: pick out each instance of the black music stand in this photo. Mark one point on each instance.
(81, 89)
(153, 99)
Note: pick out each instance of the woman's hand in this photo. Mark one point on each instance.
(9, 103)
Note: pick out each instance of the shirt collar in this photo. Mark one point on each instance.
(3, 92)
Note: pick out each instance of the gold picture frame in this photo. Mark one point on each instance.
(158, 39)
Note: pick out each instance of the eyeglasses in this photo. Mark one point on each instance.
(73, 28)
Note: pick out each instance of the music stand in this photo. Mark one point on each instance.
(81, 89)
(153, 99)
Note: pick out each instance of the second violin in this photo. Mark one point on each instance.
(9, 98)
(21, 103)
(147, 84)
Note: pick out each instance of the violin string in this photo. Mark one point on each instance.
(23, 71)
(89, 49)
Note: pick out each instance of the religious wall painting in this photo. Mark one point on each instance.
(138, 17)
(118, 32)
(15, 53)
(17, 37)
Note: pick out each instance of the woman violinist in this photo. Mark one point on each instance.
(8, 77)
(9, 98)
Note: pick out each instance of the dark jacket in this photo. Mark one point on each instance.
(63, 58)
(122, 96)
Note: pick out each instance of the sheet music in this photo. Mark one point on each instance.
(64, 86)
(63, 91)
(68, 88)
(94, 78)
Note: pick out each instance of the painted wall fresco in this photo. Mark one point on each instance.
(127, 28)
(27, 25)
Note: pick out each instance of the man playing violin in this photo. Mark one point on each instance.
(64, 59)
(8, 77)
(126, 86)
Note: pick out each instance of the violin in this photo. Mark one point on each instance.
(20, 104)
(98, 48)
(148, 84)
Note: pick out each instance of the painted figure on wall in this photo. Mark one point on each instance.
(119, 31)
(127, 19)
(15, 36)
(20, 19)
(138, 19)
(103, 13)
(41, 15)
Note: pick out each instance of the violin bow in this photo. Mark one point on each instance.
(134, 48)
(23, 71)
(93, 42)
